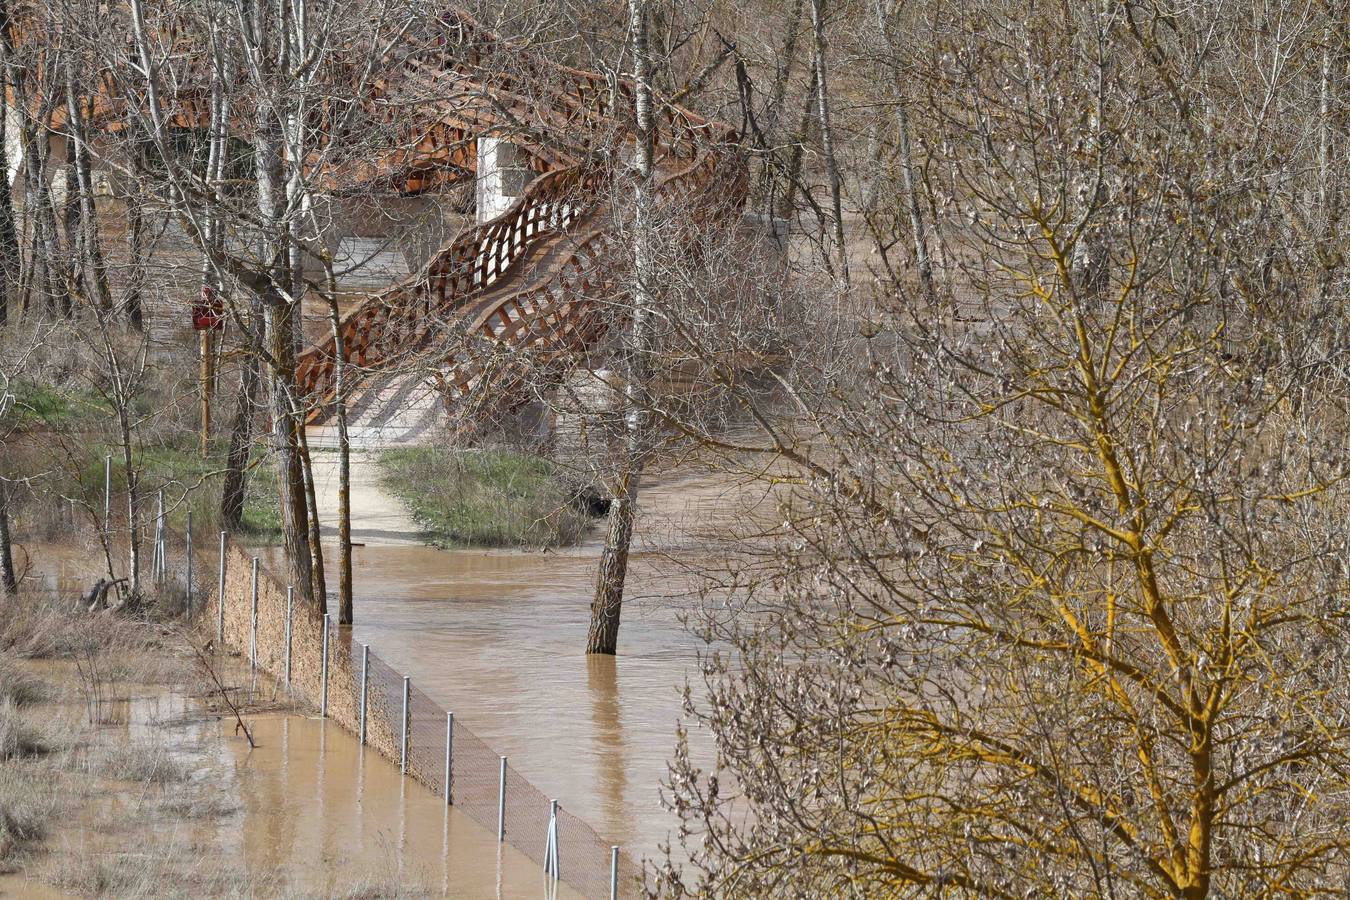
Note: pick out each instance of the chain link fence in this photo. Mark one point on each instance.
(251, 613)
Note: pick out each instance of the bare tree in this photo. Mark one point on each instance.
(609, 584)
(1053, 608)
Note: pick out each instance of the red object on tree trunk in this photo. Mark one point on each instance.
(209, 314)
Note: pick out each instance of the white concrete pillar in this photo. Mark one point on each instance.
(501, 176)
(13, 143)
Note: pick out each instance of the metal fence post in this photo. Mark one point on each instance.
(220, 597)
(323, 703)
(157, 566)
(253, 628)
(290, 608)
(365, 686)
(188, 552)
(156, 544)
(501, 803)
(449, 755)
(551, 842)
(614, 872)
(107, 493)
(403, 754)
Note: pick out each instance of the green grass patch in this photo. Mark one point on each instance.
(37, 405)
(189, 482)
(492, 498)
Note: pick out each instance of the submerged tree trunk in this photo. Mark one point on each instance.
(607, 604)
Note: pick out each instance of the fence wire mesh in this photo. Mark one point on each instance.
(475, 788)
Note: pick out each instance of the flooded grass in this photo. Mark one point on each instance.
(20, 738)
(18, 686)
(490, 498)
(28, 806)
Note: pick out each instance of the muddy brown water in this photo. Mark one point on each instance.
(497, 637)
(306, 813)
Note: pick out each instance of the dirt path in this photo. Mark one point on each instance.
(378, 518)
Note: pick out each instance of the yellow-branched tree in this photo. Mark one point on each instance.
(1058, 605)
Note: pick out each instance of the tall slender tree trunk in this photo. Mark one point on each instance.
(910, 183)
(916, 223)
(241, 438)
(773, 112)
(121, 397)
(827, 136)
(279, 316)
(11, 258)
(320, 583)
(132, 305)
(794, 169)
(95, 270)
(133, 503)
(345, 611)
(9, 583)
(607, 605)
(47, 259)
(210, 288)
(286, 447)
(11, 250)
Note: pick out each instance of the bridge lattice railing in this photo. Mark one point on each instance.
(389, 325)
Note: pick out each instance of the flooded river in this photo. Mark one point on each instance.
(498, 637)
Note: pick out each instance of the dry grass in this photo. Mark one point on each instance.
(28, 805)
(40, 627)
(376, 890)
(177, 871)
(139, 763)
(19, 686)
(119, 648)
(19, 738)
